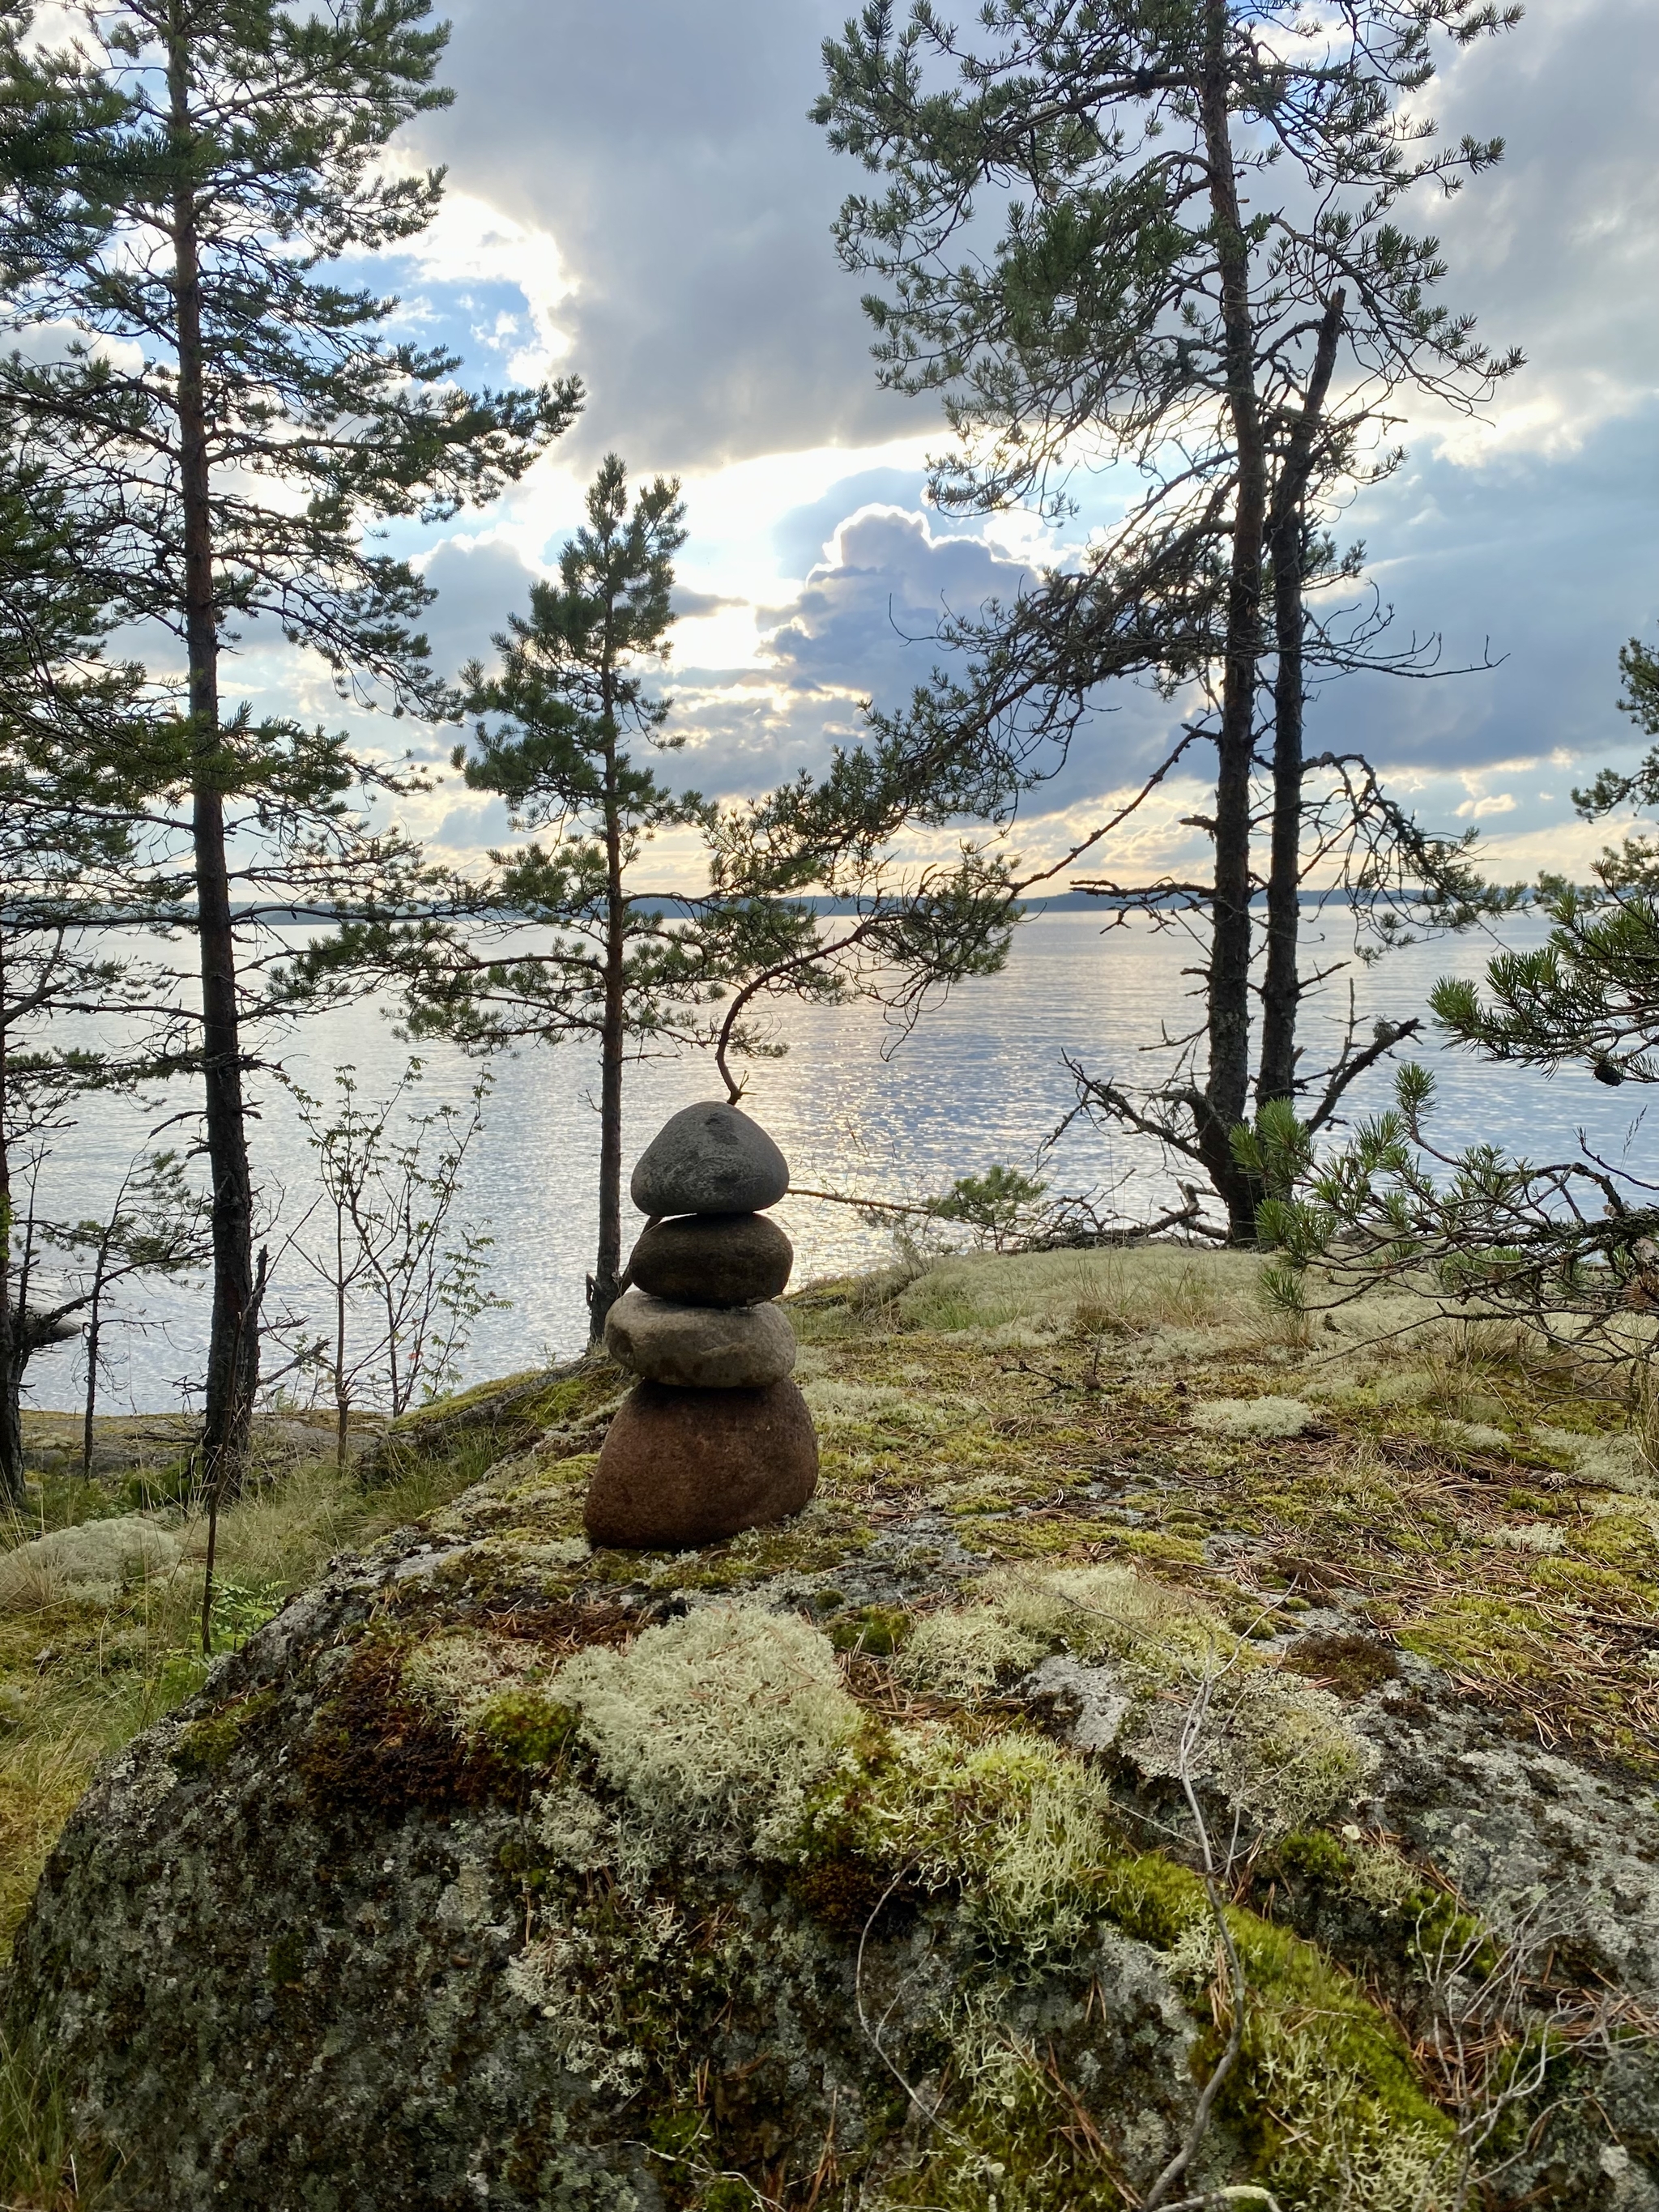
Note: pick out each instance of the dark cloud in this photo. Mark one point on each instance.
(869, 619)
(865, 624)
(479, 586)
(1545, 570)
(1554, 249)
(690, 603)
(666, 146)
(1493, 560)
(801, 538)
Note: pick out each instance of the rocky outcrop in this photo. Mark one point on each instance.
(497, 1869)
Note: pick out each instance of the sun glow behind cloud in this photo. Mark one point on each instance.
(673, 250)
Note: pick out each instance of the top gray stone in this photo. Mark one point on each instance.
(709, 1160)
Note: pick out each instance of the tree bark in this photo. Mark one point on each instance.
(605, 1284)
(342, 1393)
(1282, 990)
(1227, 1083)
(233, 1363)
(11, 1366)
(94, 1323)
(13, 1360)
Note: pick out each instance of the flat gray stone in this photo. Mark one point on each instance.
(709, 1160)
(1090, 1704)
(700, 1347)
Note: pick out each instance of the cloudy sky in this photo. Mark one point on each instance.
(637, 195)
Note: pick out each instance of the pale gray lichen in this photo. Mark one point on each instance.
(716, 1722)
(964, 1654)
(1253, 1417)
(91, 1561)
(1278, 1750)
(574, 1828)
(456, 1674)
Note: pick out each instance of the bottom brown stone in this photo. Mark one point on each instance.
(681, 1467)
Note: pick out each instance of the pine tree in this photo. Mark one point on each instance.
(1081, 246)
(567, 945)
(218, 160)
(556, 724)
(1591, 992)
(76, 756)
(1571, 1243)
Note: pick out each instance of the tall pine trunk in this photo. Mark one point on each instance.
(1222, 1105)
(605, 1284)
(233, 1363)
(1282, 990)
(13, 1355)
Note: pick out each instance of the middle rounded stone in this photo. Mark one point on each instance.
(713, 1259)
(700, 1347)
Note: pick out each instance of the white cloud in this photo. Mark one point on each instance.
(1490, 803)
(472, 242)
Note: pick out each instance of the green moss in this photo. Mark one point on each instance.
(1316, 1855)
(438, 1410)
(1025, 1839)
(373, 1748)
(204, 1746)
(1624, 1541)
(1326, 2091)
(875, 1630)
(1498, 1636)
(827, 1535)
(595, 1381)
(1053, 1535)
(1531, 1501)
(1151, 1898)
(525, 1727)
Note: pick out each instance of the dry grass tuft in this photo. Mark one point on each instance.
(84, 1665)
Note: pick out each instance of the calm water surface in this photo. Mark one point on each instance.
(981, 1079)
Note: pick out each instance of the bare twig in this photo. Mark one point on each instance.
(1178, 2166)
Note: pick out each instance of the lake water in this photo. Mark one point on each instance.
(981, 1079)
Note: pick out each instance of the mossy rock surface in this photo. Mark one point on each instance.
(849, 1866)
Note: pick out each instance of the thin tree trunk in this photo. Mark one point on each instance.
(234, 1342)
(1228, 1081)
(12, 1491)
(19, 1339)
(1282, 990)
(95, 1319)
(14, 1358)
(341, 1397)
(605, 1284)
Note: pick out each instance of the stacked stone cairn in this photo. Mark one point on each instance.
(715, 1438)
